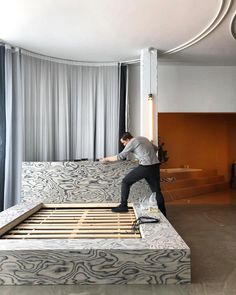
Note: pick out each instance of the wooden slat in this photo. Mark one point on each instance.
(55, 236)
(79, 214)
(36, 227)
(56, 210)
(78, 217)
(72, 224)
(84, 205)
(84, 222)
(99, 209)
(90, 218)
(77, 231)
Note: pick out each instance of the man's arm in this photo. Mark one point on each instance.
(128, 149)
(121, 156)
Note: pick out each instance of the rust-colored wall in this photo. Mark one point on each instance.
(199, 140)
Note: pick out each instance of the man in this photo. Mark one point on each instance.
(149, 169)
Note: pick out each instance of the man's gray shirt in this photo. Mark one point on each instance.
(143, 149)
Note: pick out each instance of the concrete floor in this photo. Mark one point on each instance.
(208, 225)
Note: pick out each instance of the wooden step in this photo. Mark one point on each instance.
(185, 173)
(189, 182)
(191, 191)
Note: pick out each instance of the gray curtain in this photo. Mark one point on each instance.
(13, 104)
(57, 110)
(70, 110)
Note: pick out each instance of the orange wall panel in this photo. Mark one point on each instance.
(202, 140)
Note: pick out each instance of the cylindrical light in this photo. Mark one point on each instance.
(150, 117)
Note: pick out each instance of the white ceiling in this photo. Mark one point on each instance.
(116, 30)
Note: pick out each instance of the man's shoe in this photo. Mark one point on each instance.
(120, 208)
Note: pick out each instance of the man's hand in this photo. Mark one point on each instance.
(104, 161)
(108, 159)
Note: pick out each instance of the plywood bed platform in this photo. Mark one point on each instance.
(92, 246)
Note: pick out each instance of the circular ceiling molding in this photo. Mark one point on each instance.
(233, 27)
(223, 10)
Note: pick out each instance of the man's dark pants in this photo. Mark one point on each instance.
(152, 175)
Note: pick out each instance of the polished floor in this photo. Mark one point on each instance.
(208, 225)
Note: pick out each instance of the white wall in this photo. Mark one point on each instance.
(196, 88)
(186, 89)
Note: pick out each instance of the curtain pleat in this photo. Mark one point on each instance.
(2, 125)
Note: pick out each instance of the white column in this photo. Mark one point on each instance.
(148, 83)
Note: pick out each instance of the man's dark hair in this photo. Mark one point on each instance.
(126, 136)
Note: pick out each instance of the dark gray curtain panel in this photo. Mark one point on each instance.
(2, 125)
(14, 134)
(122, 115)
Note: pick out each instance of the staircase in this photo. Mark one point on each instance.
(184, 183)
